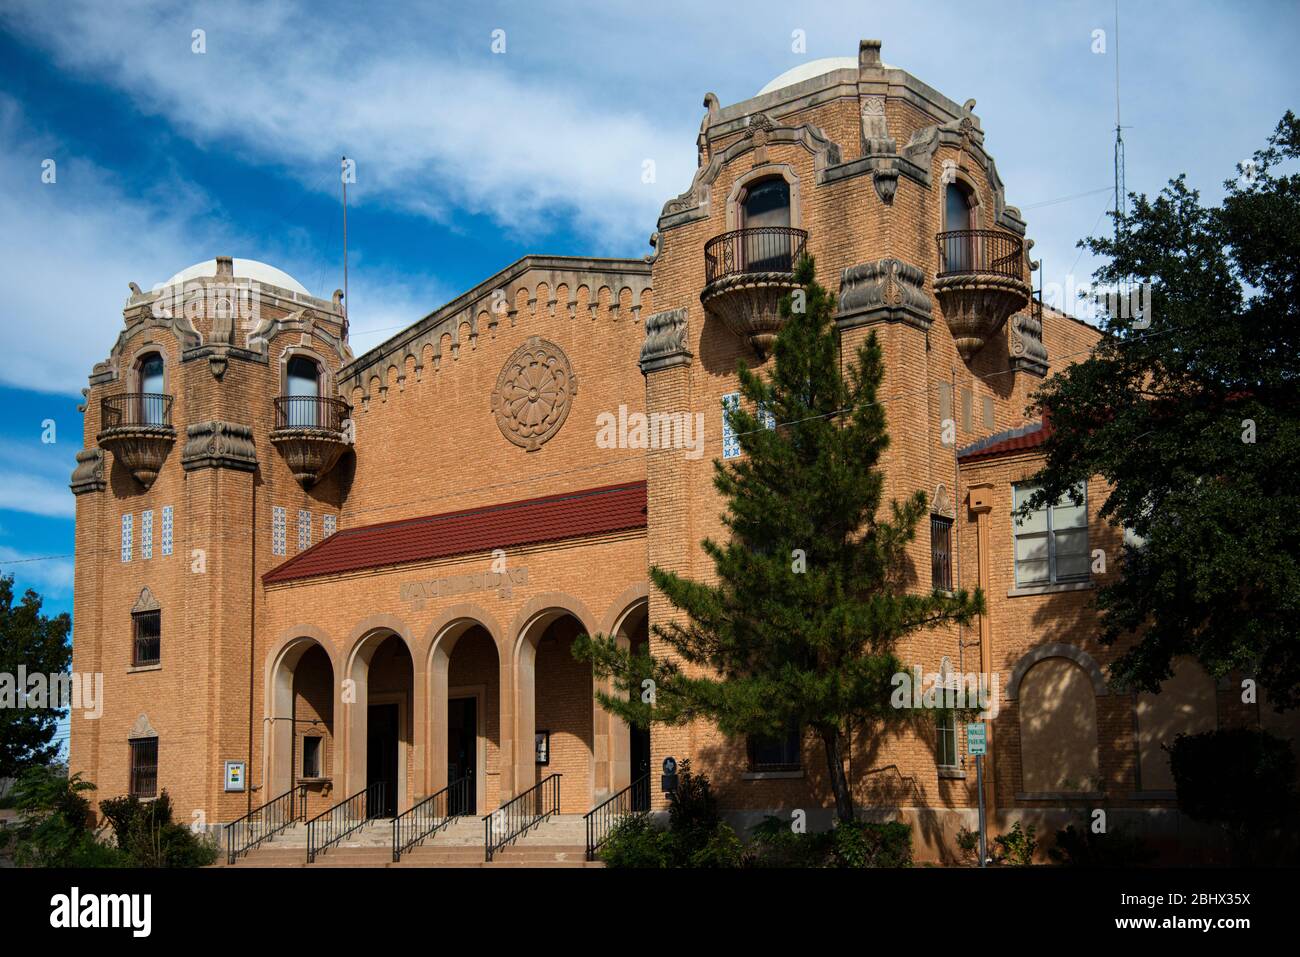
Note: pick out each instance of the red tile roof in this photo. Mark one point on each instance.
(1004, 443)
(550, 518)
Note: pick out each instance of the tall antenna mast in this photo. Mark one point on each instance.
(343, 175)
(1121, 197)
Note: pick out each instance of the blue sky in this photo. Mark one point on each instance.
(467, 159)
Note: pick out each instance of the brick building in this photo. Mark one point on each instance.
(350, 571)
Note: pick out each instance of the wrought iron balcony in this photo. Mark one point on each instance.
(311, 433)
(747, 272)
(136, 427)
(979, 284)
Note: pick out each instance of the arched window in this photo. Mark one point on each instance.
(1058, 728)
(958, 217)
(302, 389)
(766, 210)
(152, 400)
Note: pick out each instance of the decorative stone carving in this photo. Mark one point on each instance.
(142, 449)
(977, 304)
(749, 305)
(666, 343)
(88, 476)
(886, 290)
(534, 393)
(1028, 354)
(219, 445)
(942, 504)
(146, 602)
(142, 728)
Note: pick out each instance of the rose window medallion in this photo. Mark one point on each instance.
(533, 393)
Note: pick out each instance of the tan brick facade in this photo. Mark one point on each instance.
(440, 420)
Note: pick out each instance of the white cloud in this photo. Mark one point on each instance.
(52, 577)
(429, 133)
(34, 477)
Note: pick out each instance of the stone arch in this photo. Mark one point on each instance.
(354, 700)
(1057, 650)
(532, 621)
(633, 602)
(279, 737)
(440, 640)
(768, 171)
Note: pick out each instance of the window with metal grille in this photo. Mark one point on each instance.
(941, 552)
(776, 754)
(148, 637)
(1051, 542)
(144, 767)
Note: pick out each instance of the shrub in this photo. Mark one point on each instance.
(864, 844)
(1016, 847)
(774, 844)
(634, 841)
(1080, 846)
(53, 831)
(1240, 780)
(968, 842)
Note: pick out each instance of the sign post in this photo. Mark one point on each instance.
(977, 744)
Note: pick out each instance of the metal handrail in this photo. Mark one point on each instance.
(416, 825)
(333, 824)
(520, 814)
(263, 823)
(753, 250)
(980, 251)
(600, 820)
(310, 412)
(135, 408)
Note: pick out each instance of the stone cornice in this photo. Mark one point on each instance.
(886, 290)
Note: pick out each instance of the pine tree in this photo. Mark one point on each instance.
(811, 598)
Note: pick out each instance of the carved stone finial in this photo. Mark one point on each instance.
(338, 300)
(135, 289)
(968, 106)
(711, 104)
(869, 55)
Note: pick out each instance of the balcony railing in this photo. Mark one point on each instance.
(964, 252)
(135, 409)
(754, 250)
(310, 412)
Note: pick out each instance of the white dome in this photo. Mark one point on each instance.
(806, 71)
(244, 269)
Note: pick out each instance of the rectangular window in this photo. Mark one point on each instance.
(946, 740)
(329, 525)
(766, 417)
(278, 534)
(304, 529)
(776, 754)
(311, 757)
(988, 413)
(167, 530)
(144, 767)
(148, 637)
(941, 552)
(945, 405)
(730, 444)
(967, 413)
(126, 537)
(1051, 542)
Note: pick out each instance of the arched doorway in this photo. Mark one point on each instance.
(301, 723)
(634, 629)
(465, 690)
(380, 723)
(556, 712)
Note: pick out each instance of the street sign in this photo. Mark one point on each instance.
(975, 739)
(670, 765)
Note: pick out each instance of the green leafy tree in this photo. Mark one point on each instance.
(38, 642)
(811, 595)
(1193, 423)
(53, 816)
